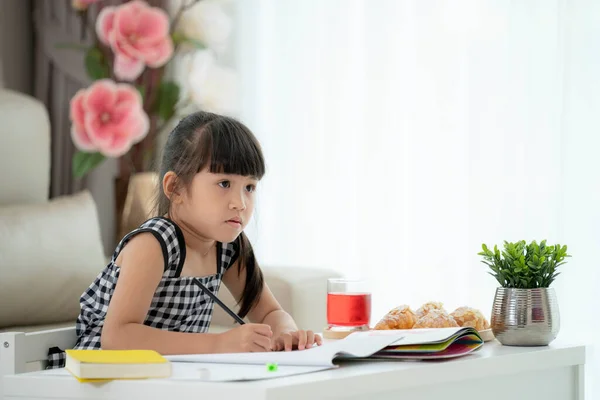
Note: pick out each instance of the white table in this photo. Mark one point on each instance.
(496, 372)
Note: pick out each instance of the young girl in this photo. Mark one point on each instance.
(145, 297)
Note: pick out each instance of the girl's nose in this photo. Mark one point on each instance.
(237, 203)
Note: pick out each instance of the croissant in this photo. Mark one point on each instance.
(427, 307)
(467, 316)
(435, 318)
(401, 317)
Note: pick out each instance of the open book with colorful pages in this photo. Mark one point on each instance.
(430, 344)
(397, 344)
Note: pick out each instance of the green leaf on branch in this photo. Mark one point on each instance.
(83, 162)
(142, 90)
(196, 43)
(178, 39)
(168, 96)
(95, 64)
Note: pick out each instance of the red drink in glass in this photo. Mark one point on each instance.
(348, 309)
(348, 304)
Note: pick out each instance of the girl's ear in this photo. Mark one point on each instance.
(169, 185)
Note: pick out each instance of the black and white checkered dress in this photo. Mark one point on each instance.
(178, 305)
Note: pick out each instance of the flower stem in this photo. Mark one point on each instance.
(181, 10)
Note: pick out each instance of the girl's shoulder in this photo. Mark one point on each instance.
(169, 236)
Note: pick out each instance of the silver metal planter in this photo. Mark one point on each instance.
(525, 317)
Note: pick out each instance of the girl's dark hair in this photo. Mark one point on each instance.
(226, 146)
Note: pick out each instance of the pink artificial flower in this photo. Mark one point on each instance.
(138, 34)
(82, 4)
(108, 117)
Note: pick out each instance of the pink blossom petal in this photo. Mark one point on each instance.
(122, 137)
(117, 147)
(128, 94)
(77, 111)
(126, 68)
(81, 140)
(101, 127)
(130, 121)
(134, 49)
(141, 128)
(100, 97)
(105, 23)
(124, 47)
(127, 19)
(99, 132)
(160, 54)
(120, 46)
(130, 131)
(153, 25)
(122, 115)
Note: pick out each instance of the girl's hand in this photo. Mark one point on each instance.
(296, 340)
(246, 338)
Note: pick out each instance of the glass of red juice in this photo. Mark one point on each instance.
(348, 304)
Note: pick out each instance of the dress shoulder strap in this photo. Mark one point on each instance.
(171, 241)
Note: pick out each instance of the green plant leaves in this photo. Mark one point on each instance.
(168, 96)
(95, 64)
(83, 162)
(522, 265)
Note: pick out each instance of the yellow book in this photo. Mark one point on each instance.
(99, 365)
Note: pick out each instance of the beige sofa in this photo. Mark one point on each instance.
(50, 250)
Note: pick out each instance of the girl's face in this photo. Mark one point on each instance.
(218, 206)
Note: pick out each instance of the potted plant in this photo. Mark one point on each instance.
(525, 310)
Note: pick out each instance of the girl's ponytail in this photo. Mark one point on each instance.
(254, 276)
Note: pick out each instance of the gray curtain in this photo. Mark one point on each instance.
(16, 43)
(59, 73)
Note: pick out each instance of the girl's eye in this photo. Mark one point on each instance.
(251, 188)
(224, 184)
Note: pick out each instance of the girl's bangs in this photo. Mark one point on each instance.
(233, 150)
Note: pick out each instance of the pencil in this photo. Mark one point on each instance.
(236, 317)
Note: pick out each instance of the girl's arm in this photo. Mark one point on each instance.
(142, 266)
(268, 311)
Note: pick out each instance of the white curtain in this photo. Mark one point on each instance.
(401, 135)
